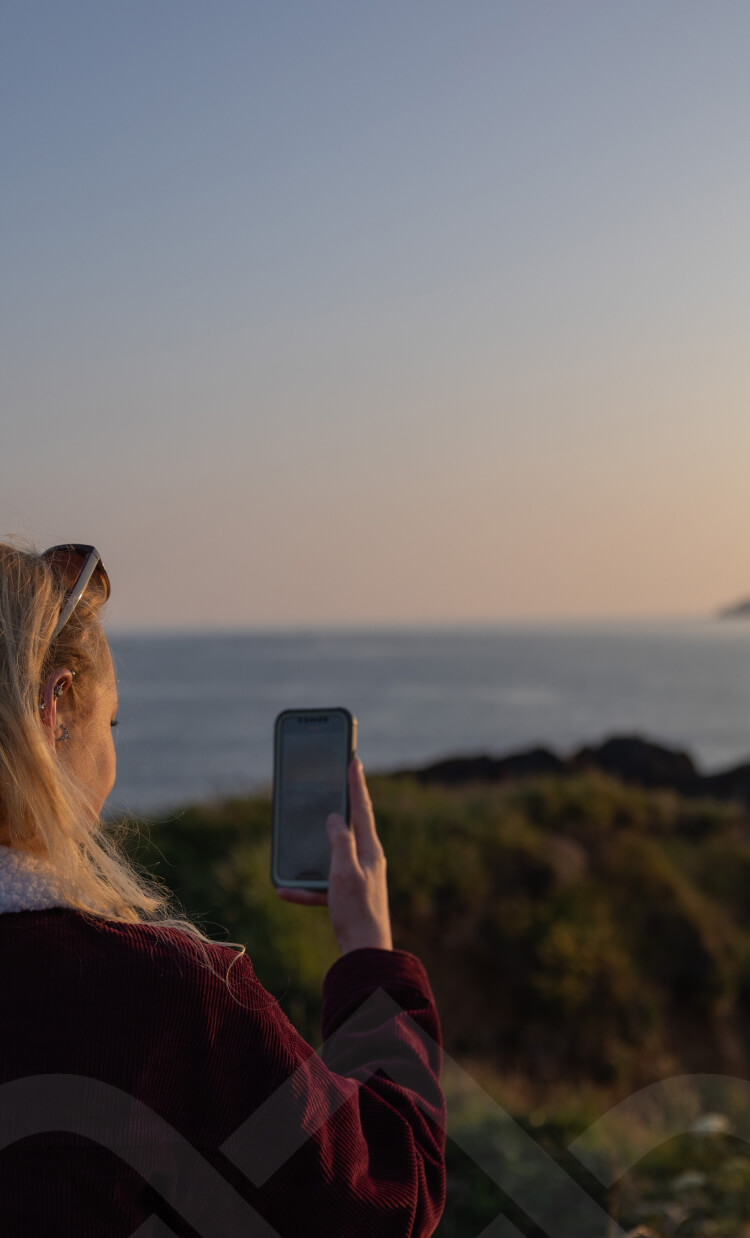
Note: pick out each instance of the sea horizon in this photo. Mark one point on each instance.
(367, 627)
(197, 707)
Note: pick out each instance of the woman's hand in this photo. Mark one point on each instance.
(357, 896)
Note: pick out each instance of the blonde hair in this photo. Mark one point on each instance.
(45, 809)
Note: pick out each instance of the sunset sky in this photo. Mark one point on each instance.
(402, 312)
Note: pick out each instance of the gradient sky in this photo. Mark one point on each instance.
(379, 313)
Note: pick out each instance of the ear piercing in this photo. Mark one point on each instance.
(64, 733)
(57, 694)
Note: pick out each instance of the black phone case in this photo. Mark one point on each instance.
(351, 740)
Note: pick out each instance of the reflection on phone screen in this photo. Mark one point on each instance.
(312, 785)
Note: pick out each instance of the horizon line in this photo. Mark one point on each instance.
(371, 627)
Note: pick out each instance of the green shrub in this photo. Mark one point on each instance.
(564, 922)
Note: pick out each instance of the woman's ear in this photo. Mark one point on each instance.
(54, 702)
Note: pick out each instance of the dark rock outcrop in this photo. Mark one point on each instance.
(641, 761)
(630, 758)
(731, 784)
(457, 770)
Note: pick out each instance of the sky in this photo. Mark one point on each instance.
(336, 313)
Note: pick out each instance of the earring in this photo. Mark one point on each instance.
(64, 733)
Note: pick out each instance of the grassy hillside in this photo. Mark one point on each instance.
(583, 939)
(566, 925)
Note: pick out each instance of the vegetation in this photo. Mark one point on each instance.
(584, 940)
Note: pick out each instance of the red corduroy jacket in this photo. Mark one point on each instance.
(143, 1094)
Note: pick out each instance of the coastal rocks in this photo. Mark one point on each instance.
(629, 758)
(732, 784)
(457, 770)
(641, 761)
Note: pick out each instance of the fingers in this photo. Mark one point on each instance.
(363, 819)
(357, 857)
(343, 847)
(310, 898)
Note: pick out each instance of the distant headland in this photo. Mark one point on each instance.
(739, 610)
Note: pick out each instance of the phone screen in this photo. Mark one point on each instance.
(313, 754)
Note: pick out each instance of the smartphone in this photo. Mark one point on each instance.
(312, 752)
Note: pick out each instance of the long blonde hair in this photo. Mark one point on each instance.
(46, 810)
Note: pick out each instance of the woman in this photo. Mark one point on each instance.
(149, 1085)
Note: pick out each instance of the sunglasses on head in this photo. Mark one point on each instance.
(76, 566)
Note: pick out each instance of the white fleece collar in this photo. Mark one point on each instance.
(27, 883)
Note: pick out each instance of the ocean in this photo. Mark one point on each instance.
(197, 710)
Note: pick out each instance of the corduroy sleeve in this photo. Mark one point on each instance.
(350, 1141)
